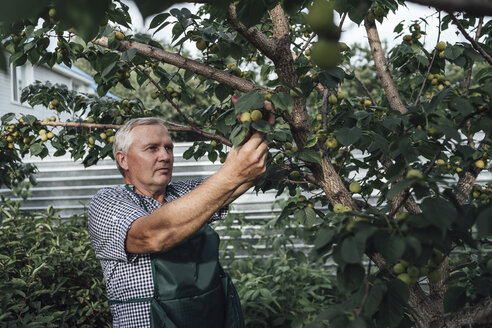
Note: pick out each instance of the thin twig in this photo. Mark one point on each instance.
(167, 95)
(363, 86)
(366, 291)
(304, 47)
(430, 64)
(324, 119)
(466, 84)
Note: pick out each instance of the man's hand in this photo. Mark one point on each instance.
(246, 162)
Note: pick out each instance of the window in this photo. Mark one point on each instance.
(21, 77)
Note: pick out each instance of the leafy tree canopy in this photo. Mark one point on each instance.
(382, 179)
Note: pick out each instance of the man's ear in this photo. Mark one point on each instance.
(122, 160)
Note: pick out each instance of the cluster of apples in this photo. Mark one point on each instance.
(326, 52)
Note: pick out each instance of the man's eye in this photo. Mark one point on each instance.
(169, 148)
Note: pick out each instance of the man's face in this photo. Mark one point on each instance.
(149, 161)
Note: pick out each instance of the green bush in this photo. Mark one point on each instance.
(281, 292)
(49, 276)
(277, 285)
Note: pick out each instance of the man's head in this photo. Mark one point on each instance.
(143, 150)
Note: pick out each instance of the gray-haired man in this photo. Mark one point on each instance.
(158, 254)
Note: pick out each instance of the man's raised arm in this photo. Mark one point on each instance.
(174, 221)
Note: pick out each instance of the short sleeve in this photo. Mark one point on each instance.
(111, 213)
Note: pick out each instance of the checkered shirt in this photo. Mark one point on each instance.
(128, 276)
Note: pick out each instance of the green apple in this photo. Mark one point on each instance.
(355, 187)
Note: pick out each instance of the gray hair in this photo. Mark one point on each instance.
(123, 138)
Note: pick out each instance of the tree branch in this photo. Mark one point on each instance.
(469, 38)
(265, 45)
(171, 126)
(382, 68)
(467, 316)
(194, 66)
(474, 7)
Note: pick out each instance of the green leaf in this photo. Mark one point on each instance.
(238, 134)
(158, 20)
(262, 126)
(129, 54)
(150, 7)
(309, 155)
(300, 216)
(222, 91)
(484, 223)
(454, 299)
(350, 251)
(7, 118)
(348, 136)
(311, 141)
(250, 100)
(36, 148)
(250, 12)
(374, 298)
(351, 277)
(439, 212)
(189, 152)
(391, 247)
(283, 101)
(324, 237)
(310, 217)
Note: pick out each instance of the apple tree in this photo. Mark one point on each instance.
(382, 183)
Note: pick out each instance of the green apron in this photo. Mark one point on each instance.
(190, 287)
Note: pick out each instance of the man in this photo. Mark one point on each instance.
(158, 254)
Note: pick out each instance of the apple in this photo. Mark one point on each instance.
(332, 99)
(294, 175)
(355, 187)
(440, 162)
(256, 115)
(320, 16)
(119, 36)
(50, 135)
(245, 117)
(326, 54)
(414, 173)
(201, 45)
(480, 164)
(155, 95)
(440, 46)
(405, 278)
(331, 143)
(338, 208)
(398, 268)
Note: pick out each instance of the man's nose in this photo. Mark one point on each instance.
(165, 155)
